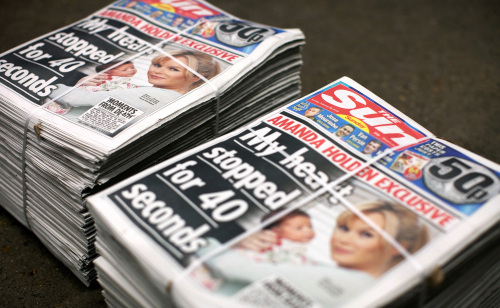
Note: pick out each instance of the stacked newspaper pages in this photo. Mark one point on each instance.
(335, 199)
(114, 93)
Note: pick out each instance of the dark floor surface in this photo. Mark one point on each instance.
(436, 61)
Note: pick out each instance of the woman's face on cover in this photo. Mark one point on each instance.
(355, 245)
(168, 74)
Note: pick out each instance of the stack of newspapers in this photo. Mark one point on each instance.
(336, 199)
(125, 88)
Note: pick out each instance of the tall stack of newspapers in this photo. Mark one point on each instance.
(114, 93)
(336, 199)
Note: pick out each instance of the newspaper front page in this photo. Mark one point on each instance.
(362, 204)
(121, 90)
(121, 41)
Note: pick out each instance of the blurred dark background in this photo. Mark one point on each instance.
(436, 61)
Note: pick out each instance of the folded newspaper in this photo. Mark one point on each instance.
(118, 91)
(335, 199)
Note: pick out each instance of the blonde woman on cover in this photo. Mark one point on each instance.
(355, 245)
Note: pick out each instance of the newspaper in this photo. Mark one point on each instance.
(118, 91)
(363, 205)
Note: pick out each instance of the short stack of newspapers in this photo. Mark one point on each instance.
(114, 93)
(336, 199)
